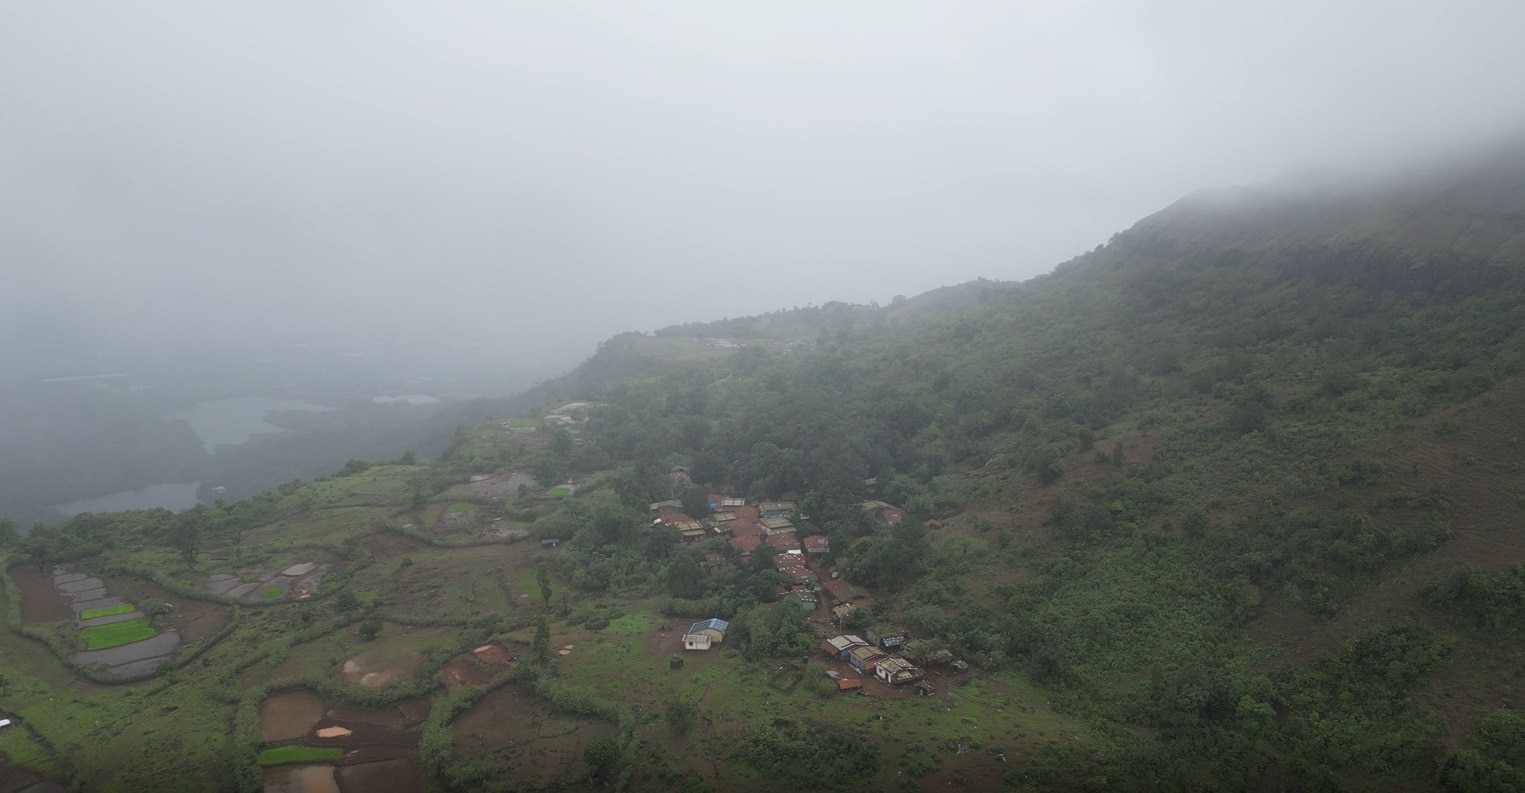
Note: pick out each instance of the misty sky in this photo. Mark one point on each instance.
(571, 170)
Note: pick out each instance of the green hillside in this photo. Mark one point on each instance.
(1231, 502)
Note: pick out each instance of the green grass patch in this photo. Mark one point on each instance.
(272, 592)
(101, 637)
(558, 491)
(281, 755)
(107, 611)
(464, 506)
(523, 423)
(630, 624)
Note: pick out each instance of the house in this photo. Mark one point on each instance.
(817, 544)
(845, 592)
(806, 597)
(842, 612)
(788, 559)
(778, 509)
(746, 543)
(838, 646)
(776, 525)
(845, 684)
(729, 503)
(887, 639)
(783, 542)
(704, 633)
(802, 575)
(897, 671)
(864, 658)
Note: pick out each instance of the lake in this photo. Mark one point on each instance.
(229, 422)
(175, 496)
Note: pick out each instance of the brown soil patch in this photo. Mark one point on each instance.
(286, 717)
(387, 776)
(493, 654)
(415, 711)
(370, 671)
(476, 668)
(358, 733)
(40, 600)
(385, 544)
(197, 620)
(300, 779)
(525, 735)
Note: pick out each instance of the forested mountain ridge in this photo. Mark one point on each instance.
(1260, 438)
(1231, 502)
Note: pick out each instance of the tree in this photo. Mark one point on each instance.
(370, 629)
(684, 575)
(696, 502)
(603, 755)
(543, 578)
(540, 648)
(185, 535)
(681, 715)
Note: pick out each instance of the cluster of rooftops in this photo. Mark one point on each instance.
(873, 657)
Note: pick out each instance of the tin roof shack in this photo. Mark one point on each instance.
(845, 684)
(897, 671)
(704, 633)
(778, 509)
(887, 639)
(777, 525)
(817, 545)
(864, 658)
(807, 598)
(838, 646)
(841, 612)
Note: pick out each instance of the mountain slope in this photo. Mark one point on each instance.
(1231, 502)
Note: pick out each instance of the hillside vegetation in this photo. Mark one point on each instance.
(1231, 502)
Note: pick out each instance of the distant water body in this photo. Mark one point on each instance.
(175, 496)
(229, 422)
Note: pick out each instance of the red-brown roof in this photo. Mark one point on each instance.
(849, 683)
(817, 543)
(746, 543)
(675, 517)
(835, 585)
(782, 541)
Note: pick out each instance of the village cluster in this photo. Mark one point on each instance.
(770, 527)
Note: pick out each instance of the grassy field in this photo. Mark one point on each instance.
(523, 423)
(272, 592)
(107, 611)
(282, 755)
(559, 491)
(102, 637)
(464, 506)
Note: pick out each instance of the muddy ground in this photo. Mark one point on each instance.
(40, 600)
(386, 776)
(289, 716)
(522, 732)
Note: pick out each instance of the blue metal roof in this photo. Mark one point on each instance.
(713, 622)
